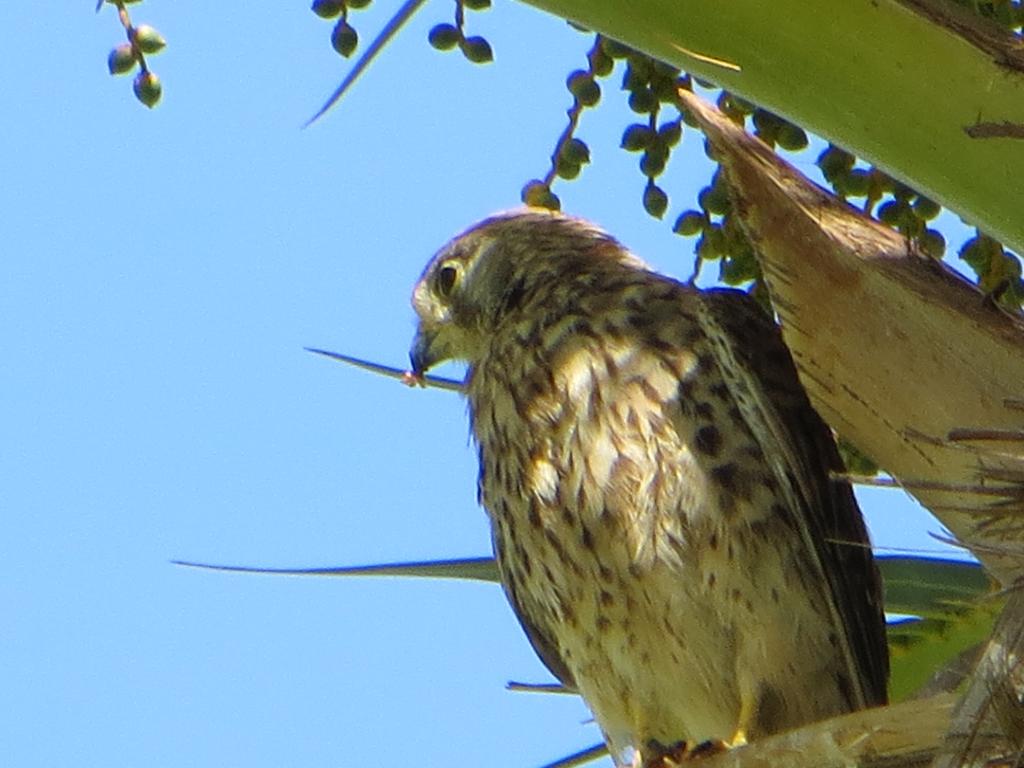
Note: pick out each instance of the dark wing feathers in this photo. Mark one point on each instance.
(834, 526)
(543, 645)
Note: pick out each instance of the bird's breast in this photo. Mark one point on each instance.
(586, 437)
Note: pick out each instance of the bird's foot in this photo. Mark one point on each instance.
(413, 379)
(681, 752)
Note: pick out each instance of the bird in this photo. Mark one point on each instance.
(668, 514)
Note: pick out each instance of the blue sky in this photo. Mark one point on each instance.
(162, 272)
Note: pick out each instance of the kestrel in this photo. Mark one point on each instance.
(658, 486)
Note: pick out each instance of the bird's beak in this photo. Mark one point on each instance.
(422, 356)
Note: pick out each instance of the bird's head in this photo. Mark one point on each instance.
(495, 269)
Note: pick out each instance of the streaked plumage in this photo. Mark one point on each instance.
(658, 488)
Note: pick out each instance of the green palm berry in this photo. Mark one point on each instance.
(583, 87)
(567, 169)
(148, 39)
(791, 137)
(632, 79)
(933, 243)
(642, 101)
(689, 223)
(444, 37)
(601, 64)
(147, 88)
(736, 271)
(670, 133)
(711, 244)
(926, 209)
(655, 200)
(477, 50)
(121, 60)
(891, 212)
(664, 89)
(901, 191)
(576, 151)
(741, 105)
(765, 121)
(533, 190)
(856, 183)
(654, 161)
(614, 48)
(835, 162)
(975, 253)
(539, 195)
(636, 137)
(327, 9)
(714, 199)
(344, 38)
(641, 67)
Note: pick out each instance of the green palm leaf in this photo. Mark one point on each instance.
(952, 612)
(948, 602)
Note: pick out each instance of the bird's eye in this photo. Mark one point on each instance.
(446, 278)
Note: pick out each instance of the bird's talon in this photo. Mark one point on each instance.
(682, 752)
(707, 749)
(666, 756)
(412, 379)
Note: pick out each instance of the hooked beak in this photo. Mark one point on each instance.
(421, 355)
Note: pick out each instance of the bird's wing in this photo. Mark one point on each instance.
(543, 645)
(804, 455)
